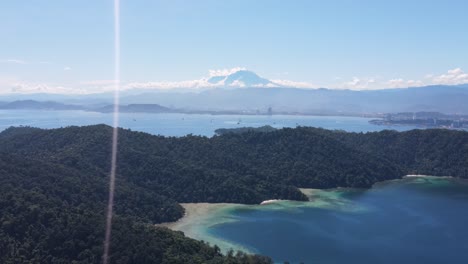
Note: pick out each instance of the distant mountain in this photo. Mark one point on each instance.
(258, 95)
(36, 105)
(439, 98)
(242, 78)
(135, 108)
(81, 99)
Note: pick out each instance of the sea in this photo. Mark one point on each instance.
(408, 221)
(183, 124)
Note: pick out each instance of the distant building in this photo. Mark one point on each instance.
(270, 111)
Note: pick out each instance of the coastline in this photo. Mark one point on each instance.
(196, 211)
(200, 217)
(425, 176)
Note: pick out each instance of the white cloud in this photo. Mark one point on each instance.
(67, 68)
(99, 82)
(5, 83)
(165, 85)
(288, 83)
(197, 84)
(358, 84)
(15, 61)
(19, 61)
(400, 83)
(237, 83)
(375, 83)
(224, 72)
(30, 87)
(452, 77)
(98, 86)
(14, 85)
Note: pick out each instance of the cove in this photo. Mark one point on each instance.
(413, 220)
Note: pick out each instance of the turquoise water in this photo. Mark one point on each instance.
(181, 124)
(415, 220)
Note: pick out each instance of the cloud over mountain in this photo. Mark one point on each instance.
(235, 78)
(226, 78)
(241, 78)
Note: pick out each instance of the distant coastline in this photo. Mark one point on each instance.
(153, 108)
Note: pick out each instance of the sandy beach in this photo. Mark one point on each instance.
(198, 219)
(425, 176)
(196, 213)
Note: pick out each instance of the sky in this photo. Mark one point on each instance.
(67, 46)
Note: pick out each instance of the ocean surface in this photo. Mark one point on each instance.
(414, 220)
(182, 124)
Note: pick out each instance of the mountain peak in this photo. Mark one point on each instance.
(241, 78)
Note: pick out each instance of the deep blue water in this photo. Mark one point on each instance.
(180, 124)
(417, 220)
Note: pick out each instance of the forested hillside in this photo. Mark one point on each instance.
(54, 183)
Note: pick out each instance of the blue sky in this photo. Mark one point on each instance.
(65, 45)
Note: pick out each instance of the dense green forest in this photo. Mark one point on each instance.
(54, 214)
(54, 183)
(239, 130)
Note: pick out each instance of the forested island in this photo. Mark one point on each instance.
(54, 183)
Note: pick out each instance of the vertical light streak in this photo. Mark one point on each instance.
(110, 204)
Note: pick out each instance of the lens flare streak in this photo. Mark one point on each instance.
(110, 204)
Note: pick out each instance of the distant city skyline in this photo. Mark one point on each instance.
(67, 47)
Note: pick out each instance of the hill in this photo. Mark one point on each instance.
(36, 105)
(134, 108)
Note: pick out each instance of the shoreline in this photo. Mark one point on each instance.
(199, 218)
(426, 176)
(202, 211)
(196, 211)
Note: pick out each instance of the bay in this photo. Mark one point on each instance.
(414, 220)
(182, 124)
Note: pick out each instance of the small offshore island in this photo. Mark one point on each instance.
(55, 180)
